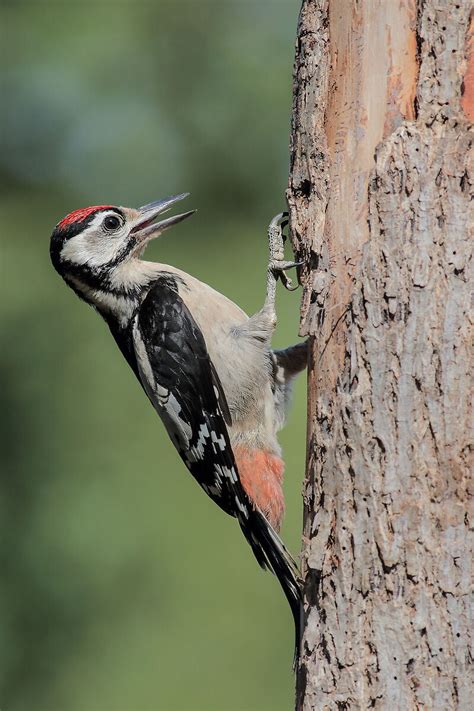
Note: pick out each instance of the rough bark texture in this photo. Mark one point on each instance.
(380, 199)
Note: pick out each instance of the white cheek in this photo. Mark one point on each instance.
(96, 251)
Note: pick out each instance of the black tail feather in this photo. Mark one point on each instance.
(271, 554)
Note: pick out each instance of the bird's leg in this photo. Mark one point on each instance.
(291, 360)
(277, 263)
(262, 324)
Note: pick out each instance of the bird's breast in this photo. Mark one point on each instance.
(242, 363)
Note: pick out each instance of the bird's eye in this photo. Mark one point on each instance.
(111, 222)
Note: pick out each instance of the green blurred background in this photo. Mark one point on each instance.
(123, 587)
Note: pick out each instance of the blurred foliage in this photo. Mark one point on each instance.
(123, 587)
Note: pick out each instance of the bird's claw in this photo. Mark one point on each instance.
(276, 241)
(278, 219)
(278, 268)
(287, 283)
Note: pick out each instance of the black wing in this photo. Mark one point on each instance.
(182, 383)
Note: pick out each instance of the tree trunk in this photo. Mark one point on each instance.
(379, 197)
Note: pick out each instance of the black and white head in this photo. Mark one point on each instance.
(93, 245)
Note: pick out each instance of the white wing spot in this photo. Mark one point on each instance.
(173, 409)
(241, 507)
(163, 394)
(142, 356)
(219, 441)
(197, 451)
(215, 489)
(222, 471)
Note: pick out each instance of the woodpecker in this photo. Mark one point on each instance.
(207, 368)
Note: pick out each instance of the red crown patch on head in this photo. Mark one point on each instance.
(80, 215)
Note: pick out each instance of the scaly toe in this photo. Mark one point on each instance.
(279, 265)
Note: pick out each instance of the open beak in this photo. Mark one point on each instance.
(146, 228)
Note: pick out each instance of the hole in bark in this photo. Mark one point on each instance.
(458, 634)
(381, 444)
(312, 588)
(325, 650)
(304, 188)
(415, 103)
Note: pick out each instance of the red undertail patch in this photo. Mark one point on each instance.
(261, 474)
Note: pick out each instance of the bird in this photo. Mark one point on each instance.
(207, 367)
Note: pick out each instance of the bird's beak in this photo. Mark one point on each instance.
(146, 229)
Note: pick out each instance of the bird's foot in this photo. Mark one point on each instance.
(276, 242)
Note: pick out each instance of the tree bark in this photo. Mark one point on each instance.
(379, 195)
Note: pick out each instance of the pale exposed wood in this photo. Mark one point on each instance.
(467, 89)
(380, 199)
